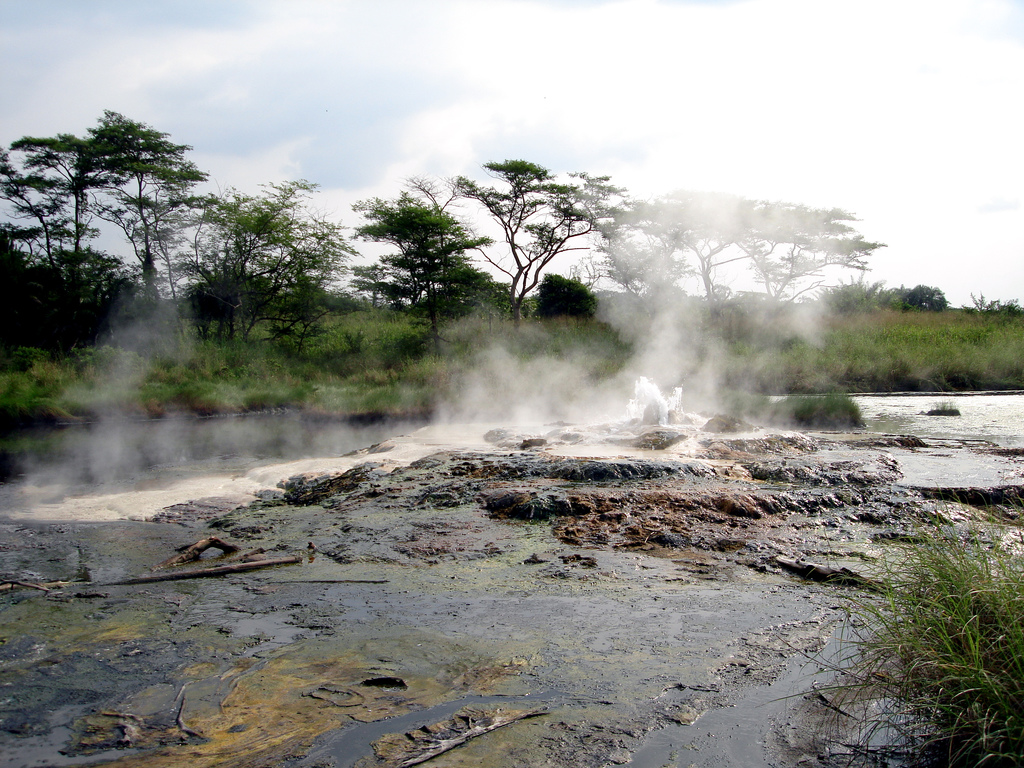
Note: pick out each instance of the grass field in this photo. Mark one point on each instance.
(379, 361)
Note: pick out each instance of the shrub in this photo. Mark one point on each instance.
(831, 411)
(558, 296)
(944, 648)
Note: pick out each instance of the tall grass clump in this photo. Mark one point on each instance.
(832, 411)
(944, 648)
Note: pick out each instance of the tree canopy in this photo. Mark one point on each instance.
(788, 248)
(149, 184)
(263, 258)
(431, 272)
(539, 217)
(242, 264)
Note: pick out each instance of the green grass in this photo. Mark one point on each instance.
(383, 361)
(888, 352)
(944, 408)
(831, 411)
(944, 645)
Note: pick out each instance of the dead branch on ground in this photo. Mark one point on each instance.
(220, 570)
(193, 552)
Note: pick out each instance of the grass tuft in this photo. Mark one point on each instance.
(831, 411)
(945, 647)
(943, 408)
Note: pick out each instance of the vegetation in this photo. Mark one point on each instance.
(944, 408)
(788, 248)
(262, 262)
(944, 647)
(884, 351)
(560, 296)
(540, 218)
(239, 301)
(431, 274)
(831, 411)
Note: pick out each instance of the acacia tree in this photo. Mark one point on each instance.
(641, 250)
(53, 189)
(431, 272)
(788, 248)
(263, 259)
(791, 247)
(540, 218)
(655, 244)
(59, 290)
(149, 185)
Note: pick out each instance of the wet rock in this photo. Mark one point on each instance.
(621, 470)
(794, 443)
(563, 436)
(722, 423)
(895, 441)
(1012, 495)
(882, 469)
(586, 561)
(745, 505)
(673, 540)
(310, 488)
(658, 439)
(498, 435)
(199, 510)
(532, 442)
(531, 505)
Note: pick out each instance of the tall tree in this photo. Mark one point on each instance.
(53, 189)
(56, 304)
(149, 182)
(792, 247)
(431, 272)
(263, 261)
(642, 250)
(540, 218)
(60, 291)
(651, 245)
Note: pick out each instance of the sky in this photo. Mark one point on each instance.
(907, 113)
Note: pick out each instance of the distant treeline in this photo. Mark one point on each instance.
(269, 265)
(240, 301)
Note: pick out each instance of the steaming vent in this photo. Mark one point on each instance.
(649, 406)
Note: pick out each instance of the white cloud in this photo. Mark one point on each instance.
(906, 113)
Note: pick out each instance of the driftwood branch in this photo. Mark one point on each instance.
(7, 586)
(179, 716)
(824, 573)
(220, 570)
(425, 743)
(193, 552)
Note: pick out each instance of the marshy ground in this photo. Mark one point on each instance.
(625, 581)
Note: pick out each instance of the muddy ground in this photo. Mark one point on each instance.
(633, 604)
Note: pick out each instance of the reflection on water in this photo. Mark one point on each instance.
(992, 416)
(129, 469)
(114, 456)
(114, 451)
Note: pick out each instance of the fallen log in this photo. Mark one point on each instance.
(415, 747)
(824, 573)
(193, 552)
(220, 570)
